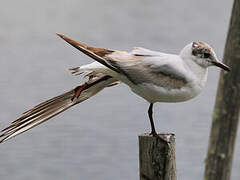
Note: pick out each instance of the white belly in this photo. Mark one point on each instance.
(153, 93)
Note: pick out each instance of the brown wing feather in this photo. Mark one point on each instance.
(96, 53)
(99, 51)
(54, 106)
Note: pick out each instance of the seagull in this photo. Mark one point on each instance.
(154, 76)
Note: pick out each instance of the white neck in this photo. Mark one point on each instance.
(198, 71)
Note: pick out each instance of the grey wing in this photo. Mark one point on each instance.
(170, 71)
(157, 70)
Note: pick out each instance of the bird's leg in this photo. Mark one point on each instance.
(150, 112)
(163, 137)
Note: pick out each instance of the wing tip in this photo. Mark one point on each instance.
(72, 42)
(60, 35)
(4, 138)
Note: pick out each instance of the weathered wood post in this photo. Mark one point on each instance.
(157, 159)
(227, 106)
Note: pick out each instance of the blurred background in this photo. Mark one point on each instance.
(98, 138)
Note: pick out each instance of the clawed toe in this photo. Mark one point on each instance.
(163, 137)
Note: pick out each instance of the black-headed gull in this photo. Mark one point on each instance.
(155, 76)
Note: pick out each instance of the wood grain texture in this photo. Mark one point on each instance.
(226, 112)
(157, 159)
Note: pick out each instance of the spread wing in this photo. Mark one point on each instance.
(140, 65)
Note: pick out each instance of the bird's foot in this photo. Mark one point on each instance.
(78, 90)
(163, 137)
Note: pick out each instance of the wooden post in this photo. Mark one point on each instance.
(157, 158)
(227, 106)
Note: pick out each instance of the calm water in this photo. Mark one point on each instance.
(98, 138)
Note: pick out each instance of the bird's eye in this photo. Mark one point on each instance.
(206, 55)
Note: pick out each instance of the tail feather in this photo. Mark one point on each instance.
(54, 106)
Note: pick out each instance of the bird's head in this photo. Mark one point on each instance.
(203, 55)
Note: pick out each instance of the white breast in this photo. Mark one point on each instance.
(153, 93)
